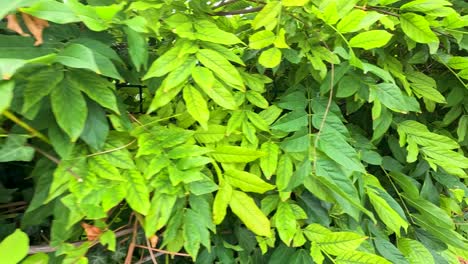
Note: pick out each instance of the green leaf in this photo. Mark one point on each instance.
(220, 95)
(458, 62)
(52, 11)
(267, 17)
(39, 85)
(390, 95)
(245, 208)
(336, 243)
(203, 77)
(208, 31)
(137, 48)
(108, 238)
(234, 154)
(221, 202)
(257, 121)
(270, 58)
(69, 108)
(162, 98)
(284, 172)
(166, 63)
(137, 192)
(429, 7)
(352, 21)
(292, 121)
(8, 67)
(96, 127)
(6, 94)
(14, 247)
(192, 237)
(221, 67)
(392, 218)
(88, 15)
(38, 258)
(214, 133)
(178, 76)
(285, 222)
(246, 181)
(261, 39)
(78, 56)
(414, 251)
(95, 87)
(425, 86)
(448, 236)
(370, 39)
(104, 169)
(269, 162)
(357, 257)
(257, 99)
(417, 28)
(159, 212)
(294, 2)
(196, 105)
(336, 148)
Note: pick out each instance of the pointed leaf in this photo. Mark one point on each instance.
(137, 192)
(246, 181)
(370, 39)
(196, 105)
(417, 28)
(235, 154)
(221, 67)
(245, 208)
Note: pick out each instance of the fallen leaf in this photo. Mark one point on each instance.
(12, 24)
(92, 232)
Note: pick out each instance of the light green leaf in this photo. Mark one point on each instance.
(104, 169)
(6, 94)
(221, 67)
(108, 238)
(162, 98)
(336, 243)
(208, 31)
(167, 62)
(417, 28)
(284, 172)
(269, 162)
(248, 212)
(214, 133)
(220, 95)
(137, 192)
(159, 212)
(257, 121)
(8, 67)
(294, 2)
(261, 39)
(196, 105)
(370, 39)
(392, 219)
(270, 58)
(267, 17)
(458, 62)
(358, 257)
(221, 202)
(203, 77)
(38, 258)
(425, 86)
(292, 121)
(87, 15)
(178, 76)
(69, 108)
(257, 99)
(236, 120)
(285, 222)
(429, 7)
(246, 181)
(352, 21)
(14, 247)
(234, 154)
(51, 10)
(415, 252)
(192, 236)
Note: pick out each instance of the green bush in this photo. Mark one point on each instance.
(236, 131)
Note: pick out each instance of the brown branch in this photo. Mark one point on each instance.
(238, 12)
(163, 251)
(145, 259)
(378, 10)
(131, 247)
(48, 249)
(153, 258)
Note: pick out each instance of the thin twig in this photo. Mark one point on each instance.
(12, 204)
(148, 258)
(225, 3)
(28, 128)
(325, 114)
(153, 258)
(131, 247)
(57, 161)
(238, 12)
(378, 10)
(48, 249)
(163, 251)
(111, 150)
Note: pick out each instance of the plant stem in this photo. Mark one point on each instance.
(28, 128)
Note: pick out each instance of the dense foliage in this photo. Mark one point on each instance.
(293, 131)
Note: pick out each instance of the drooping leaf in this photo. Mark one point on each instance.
(414, 251)
(137, 192)
(221, 67)
(221, 202)
(245, 208)
(196, 105)
(246, 181)
(269, 162)
(69, 107)
(14, 247)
